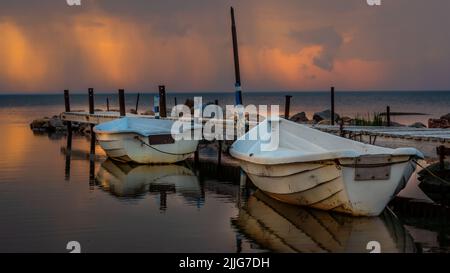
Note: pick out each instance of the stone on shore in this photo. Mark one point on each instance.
(418, 125)
(48, 124)
(438, 123)
(300, 118)
(324, 115)
(446, 117)
(56, 124)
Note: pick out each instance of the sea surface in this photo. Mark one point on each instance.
(49, 196)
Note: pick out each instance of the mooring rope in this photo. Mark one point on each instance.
(158, 150)
(430, 172)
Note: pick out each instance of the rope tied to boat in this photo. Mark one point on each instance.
(156, 149)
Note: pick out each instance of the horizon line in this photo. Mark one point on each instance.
(78, 92)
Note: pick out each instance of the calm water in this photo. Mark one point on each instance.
(48, 198)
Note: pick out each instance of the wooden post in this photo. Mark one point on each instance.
(287, 107)
(122, 102)
(332, 105)
(137, 102)
(107, 104)
(388, 116)
(67, 109)
(175, 101)
(237, 73)
(67, 100)
(91, 100)
(162, 101)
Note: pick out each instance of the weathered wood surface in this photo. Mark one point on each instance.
(426, 134)
(424, 139)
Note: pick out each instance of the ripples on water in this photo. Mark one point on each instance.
(48, 198)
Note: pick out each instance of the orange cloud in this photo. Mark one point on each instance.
(297, 71)
(20, 61)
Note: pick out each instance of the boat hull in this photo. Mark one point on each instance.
(331, 185)
(132, 147)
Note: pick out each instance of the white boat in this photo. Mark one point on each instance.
(281, 227)
(324, 171)
(144, 140)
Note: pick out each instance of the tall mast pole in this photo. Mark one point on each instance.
(237, 85)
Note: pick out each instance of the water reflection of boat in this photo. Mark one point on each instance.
(281, 227)
(127, 180)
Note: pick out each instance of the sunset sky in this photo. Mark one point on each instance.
(285, 45)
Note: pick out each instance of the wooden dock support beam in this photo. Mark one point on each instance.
(91, 100)
(287, 107)
(162, 101)
(122, 102)
(388, 115)
(332, 105)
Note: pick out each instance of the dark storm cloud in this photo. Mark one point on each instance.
(287, 44)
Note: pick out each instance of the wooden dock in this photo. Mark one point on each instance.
(424, 139)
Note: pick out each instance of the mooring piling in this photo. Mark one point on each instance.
(137, 103)
(162, 101)
(287, 107)
(67, 100)
(122, 102)
(67, 108)
(388, 116)
(332, 105)
(91, 100)
(107, 104)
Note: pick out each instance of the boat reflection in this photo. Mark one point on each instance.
(131, 181)
(281, 227)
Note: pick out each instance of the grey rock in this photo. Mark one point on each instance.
(324, 115)
(418, 125)
(446, 117)
(300, 117)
